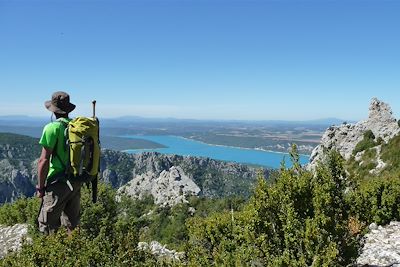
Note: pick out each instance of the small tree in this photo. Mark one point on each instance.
(299, 220)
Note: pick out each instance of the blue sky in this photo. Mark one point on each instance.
(204, 59)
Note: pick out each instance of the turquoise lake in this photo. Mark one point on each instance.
(186, 147)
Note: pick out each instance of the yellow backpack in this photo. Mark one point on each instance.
(84, 148)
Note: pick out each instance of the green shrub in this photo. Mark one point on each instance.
(80, 250)
(105, 237)
(366, 143)
(22, 210)
(299, 220)
(391, 155)
(377, 200)
(379, 141)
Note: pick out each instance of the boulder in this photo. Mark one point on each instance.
(381, 246)
(167, 188)
(11, 238)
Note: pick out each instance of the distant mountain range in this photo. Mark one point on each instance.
(21, 120)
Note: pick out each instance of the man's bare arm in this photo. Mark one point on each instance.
(43, 166)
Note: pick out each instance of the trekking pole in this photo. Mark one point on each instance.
(94, 108)
(95, 181)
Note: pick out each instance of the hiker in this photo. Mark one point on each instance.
(60, 197)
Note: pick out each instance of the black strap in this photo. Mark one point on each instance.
(91, 153)
(83, 157)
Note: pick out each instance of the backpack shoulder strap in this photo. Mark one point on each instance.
(64, 122)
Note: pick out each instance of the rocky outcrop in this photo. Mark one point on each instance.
(381, 246)
(168, 189)
(214, 178)
(11, 238)
(16, 180)
(160, 251)
(17, 166)
(345, 137)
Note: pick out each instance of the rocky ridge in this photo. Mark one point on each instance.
(381, 246)
(168, 189)
(345, 137)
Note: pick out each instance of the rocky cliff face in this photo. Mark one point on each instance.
(17, 166)
(345, 137)
(213, 177)
(16, 179)
(169, 188)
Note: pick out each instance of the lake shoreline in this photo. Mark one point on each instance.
(184, 146)
(216, 145)
(239, 147)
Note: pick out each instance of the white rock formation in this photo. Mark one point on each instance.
(345, 137)
(382, 246)
(11, 238)
(169, 188)
(159, 250)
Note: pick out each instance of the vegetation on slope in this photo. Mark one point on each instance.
(109, 232)
(391, 155)
(19, 148)
(369, 152)
(298, 219)
(367, 142)
(107, 237)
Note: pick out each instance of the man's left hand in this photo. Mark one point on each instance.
(40, 191)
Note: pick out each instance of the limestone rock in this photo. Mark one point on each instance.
(215, 178)
(11, 238)
(110, 176)
(381, 246)
(15, 181)
(345, 137)
(160, 251)
(168, 188)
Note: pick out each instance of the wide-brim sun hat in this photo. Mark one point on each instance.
(59, 103)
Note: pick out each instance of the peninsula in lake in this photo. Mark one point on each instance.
(261, 135)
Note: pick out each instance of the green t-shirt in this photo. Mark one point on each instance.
(53, 134)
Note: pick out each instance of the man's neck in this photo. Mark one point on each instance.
(59, 116)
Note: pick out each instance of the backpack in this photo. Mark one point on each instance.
(83, 149)
(82, 138)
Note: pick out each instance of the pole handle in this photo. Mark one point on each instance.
(94, 108)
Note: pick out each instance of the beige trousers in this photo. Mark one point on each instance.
(60, 206)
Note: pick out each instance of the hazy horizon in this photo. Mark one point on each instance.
(133, 117)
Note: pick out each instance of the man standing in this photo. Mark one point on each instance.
(60, 196)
